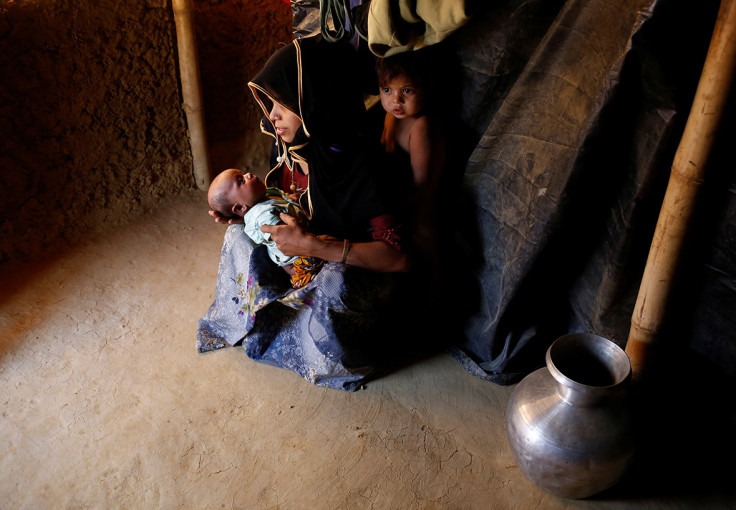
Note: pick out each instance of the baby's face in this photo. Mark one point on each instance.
(401, 98)
(243, 190)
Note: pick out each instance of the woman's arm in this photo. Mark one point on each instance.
(292, 240)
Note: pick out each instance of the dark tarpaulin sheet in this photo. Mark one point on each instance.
(305, 20)
(569, 116)
(574, 109)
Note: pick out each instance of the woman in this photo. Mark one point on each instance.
(327, 330)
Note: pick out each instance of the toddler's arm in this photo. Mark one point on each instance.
(427, 152)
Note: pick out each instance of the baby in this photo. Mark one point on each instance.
(236, 194)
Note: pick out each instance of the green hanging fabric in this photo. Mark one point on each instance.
(342, 18)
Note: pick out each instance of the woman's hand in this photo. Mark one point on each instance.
(291, 238)
(220, 219)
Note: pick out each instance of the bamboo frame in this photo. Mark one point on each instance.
(686, 179)
(191, 90)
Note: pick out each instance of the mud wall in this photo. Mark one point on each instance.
(92, 132)
(235, 38)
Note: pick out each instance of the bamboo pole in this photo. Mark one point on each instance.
(191, 89)
(686, 179)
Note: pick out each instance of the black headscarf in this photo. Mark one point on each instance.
(317, 80)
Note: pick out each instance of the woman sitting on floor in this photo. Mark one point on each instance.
(332, 330)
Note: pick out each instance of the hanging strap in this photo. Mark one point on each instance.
(342, 18)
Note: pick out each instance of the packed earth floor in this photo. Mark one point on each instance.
(107, 404)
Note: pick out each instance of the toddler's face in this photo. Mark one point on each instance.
(243, 190)
(401, 98)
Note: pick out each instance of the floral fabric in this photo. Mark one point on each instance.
(324, 331)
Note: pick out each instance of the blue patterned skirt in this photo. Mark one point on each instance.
(327, 331)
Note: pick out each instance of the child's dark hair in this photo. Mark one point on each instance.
(221, 203)
(408, 63)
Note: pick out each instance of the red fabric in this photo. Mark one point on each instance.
(385, 229)
(301, 180)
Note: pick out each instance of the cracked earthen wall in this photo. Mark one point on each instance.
(92, 132)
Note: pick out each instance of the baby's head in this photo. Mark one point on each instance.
(233, 192)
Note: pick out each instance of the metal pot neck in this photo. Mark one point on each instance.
(589, 369)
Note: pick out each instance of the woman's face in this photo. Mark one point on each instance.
(285, 121)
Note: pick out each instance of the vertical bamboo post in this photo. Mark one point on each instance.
(191, 88)
(686, 178)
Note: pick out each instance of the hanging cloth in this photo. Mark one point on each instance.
(333, 19)
(404, 25)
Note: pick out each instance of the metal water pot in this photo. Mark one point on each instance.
(569, 425)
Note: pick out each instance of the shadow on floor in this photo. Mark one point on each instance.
(686, 416)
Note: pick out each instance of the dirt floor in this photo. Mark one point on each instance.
(107, 404)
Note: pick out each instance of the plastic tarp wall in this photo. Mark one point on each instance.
(569, 116)
(574, 110)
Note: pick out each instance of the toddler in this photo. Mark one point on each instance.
(409, 125)
(413, 131)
